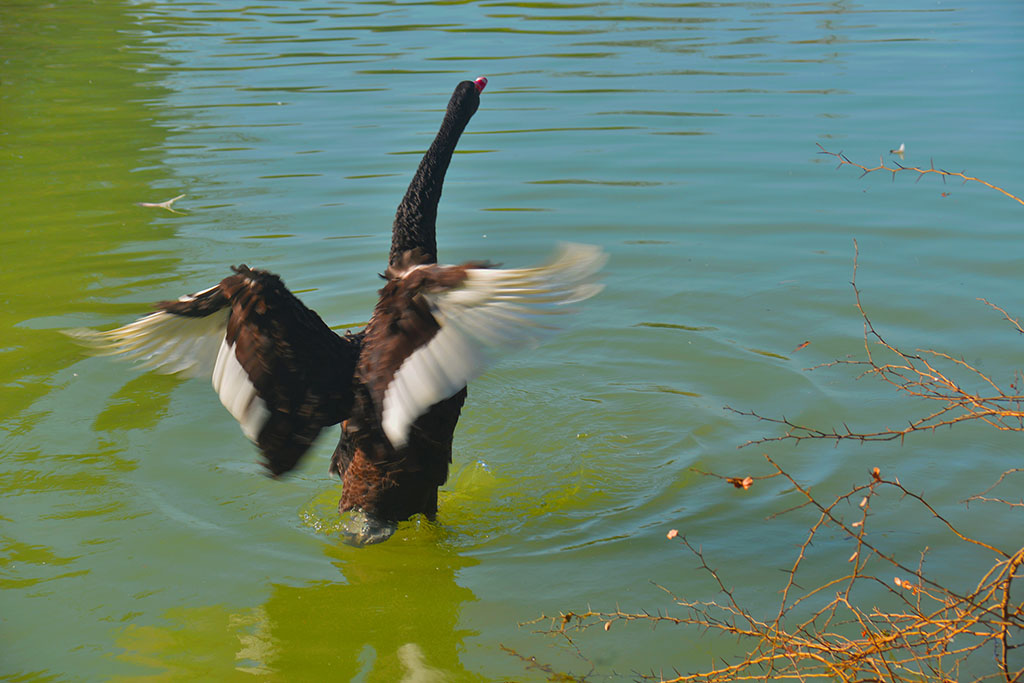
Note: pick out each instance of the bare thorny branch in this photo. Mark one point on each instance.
(922, 172)
(925, 631)
(919, 629)
(983, 498)
(532, 664)
(924, 374)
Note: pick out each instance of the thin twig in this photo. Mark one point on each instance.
(845, 161)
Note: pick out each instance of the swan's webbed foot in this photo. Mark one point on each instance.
(362, 529)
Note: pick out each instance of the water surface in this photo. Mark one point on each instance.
(137, 536)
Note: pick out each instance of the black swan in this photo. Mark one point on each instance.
(397, 387)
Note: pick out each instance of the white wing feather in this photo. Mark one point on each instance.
(163, 342)
(190, 346)
(493, 310)
(237, 393)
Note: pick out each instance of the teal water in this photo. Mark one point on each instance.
(138, 539)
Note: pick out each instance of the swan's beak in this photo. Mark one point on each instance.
(361, 529)
(480, 83)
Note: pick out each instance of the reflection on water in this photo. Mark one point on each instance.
(137, 537)
(387, 615)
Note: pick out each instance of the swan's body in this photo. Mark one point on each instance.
(396, 387)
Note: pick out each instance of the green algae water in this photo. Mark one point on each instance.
(138, 538)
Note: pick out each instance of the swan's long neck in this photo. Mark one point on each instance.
(416, 218)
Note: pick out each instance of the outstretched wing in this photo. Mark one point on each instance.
(479, 312)
(277, 368)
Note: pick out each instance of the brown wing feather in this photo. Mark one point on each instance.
(379, 479)
(402, 322)
(299, 367)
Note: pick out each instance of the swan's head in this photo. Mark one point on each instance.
(466, 98)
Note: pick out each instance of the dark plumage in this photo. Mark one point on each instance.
(299, 367)
(415, 225)
(402, 322)
(398, 386)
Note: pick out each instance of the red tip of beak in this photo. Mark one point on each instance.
(480, 83)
